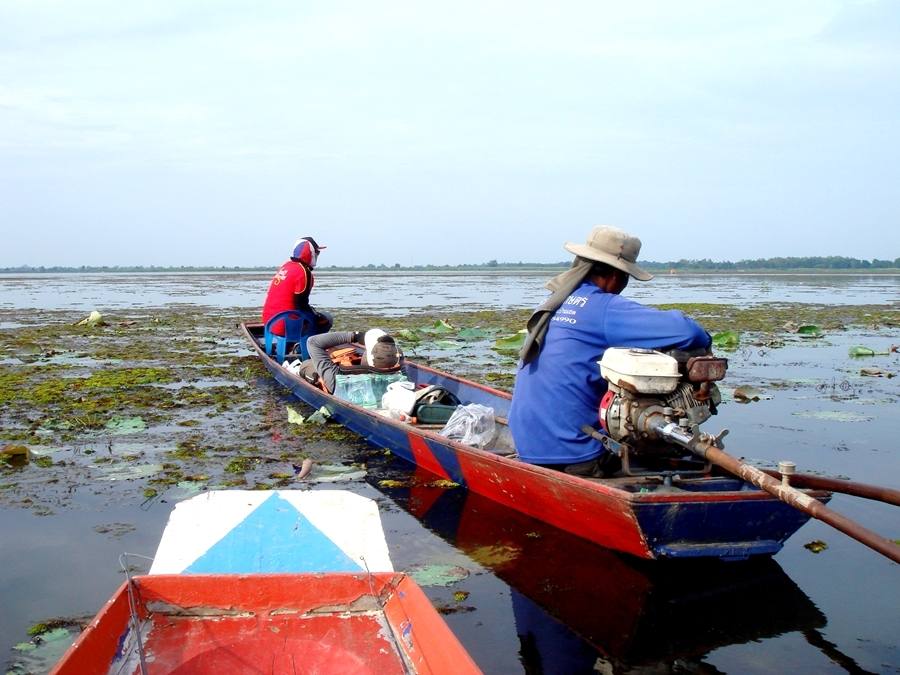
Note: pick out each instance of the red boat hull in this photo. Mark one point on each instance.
(712, 517)
(270, 623)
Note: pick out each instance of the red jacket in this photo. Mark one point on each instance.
(291, 280)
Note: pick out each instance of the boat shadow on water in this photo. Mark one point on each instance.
(578, 606)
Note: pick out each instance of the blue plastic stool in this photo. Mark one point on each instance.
(298, 326)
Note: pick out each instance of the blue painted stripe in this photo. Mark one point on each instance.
(275, 537)
(449, 460)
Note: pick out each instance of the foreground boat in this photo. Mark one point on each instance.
(666, 515)
(269, 582)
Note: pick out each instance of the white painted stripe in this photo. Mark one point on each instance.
(351, 521)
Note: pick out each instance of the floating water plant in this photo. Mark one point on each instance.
(728, 339)
(867, 351)
(440, 327)
(510, 343)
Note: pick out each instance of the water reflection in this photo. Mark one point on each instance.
(579, 608)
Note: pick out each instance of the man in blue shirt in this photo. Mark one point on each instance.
(558, 383)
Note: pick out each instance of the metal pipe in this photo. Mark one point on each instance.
(787, 494)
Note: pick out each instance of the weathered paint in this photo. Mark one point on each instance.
(325, 623)
(605, 513)
(243, 531)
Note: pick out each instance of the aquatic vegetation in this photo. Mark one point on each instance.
(816, 546)
(868, 351)
(188, 448)
(503, 381)
(438, 575)
(239, 465)
(810, 331)
(186, 403)
(511, 343)
(726, 340)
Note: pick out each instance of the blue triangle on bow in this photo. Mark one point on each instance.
(274, 537)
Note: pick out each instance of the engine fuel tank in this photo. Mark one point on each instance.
(641, 371)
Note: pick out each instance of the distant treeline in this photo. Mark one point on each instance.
(704, 265)
(834, 262)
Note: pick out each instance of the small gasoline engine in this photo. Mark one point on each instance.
(655, 400)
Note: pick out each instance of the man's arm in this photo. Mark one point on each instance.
(318, 345)
(630, 324)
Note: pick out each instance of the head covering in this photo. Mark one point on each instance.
(381, 349)
(306, 251)
(314, 243)
(614, 247)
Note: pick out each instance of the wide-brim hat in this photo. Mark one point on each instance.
(614, 247)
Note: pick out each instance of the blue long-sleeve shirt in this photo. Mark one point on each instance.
(559, 391)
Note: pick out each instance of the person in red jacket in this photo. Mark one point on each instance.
(292, 284)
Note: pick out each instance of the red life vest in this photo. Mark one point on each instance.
(292, 278)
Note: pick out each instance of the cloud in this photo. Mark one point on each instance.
(526, 117)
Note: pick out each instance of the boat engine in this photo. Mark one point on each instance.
(656, 398)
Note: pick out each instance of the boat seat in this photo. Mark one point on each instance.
(298, 326)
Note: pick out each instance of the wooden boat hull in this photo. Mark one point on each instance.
(286, 581)
(714, 517)
(271, 623)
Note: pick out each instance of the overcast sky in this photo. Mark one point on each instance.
(217, 132)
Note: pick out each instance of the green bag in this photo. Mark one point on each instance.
(434, 413)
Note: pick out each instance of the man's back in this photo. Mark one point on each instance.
(560, 390)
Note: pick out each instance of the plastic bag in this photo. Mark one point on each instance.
(400, 396)
(471, 424)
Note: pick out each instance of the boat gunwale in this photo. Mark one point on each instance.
(397, 600)
(582, 484)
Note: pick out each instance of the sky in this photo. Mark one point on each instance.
(218, 132)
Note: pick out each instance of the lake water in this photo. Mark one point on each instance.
(540, 600)
(403, 291)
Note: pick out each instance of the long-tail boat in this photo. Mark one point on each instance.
(682, 511)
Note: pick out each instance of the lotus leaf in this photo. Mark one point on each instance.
(448, 344)
(293, 417)
(511, 343)
(866, 351)
(474, 333)
(125, 425)
(408, 335)
(438, 575)
(92, 319)
(728, 339)
(440, 327)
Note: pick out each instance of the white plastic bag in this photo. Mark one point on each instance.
(471, 424)
(400, 396)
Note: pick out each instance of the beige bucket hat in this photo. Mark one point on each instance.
(614, 247)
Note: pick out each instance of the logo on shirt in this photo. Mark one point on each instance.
(565, 315)
(280, 276)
